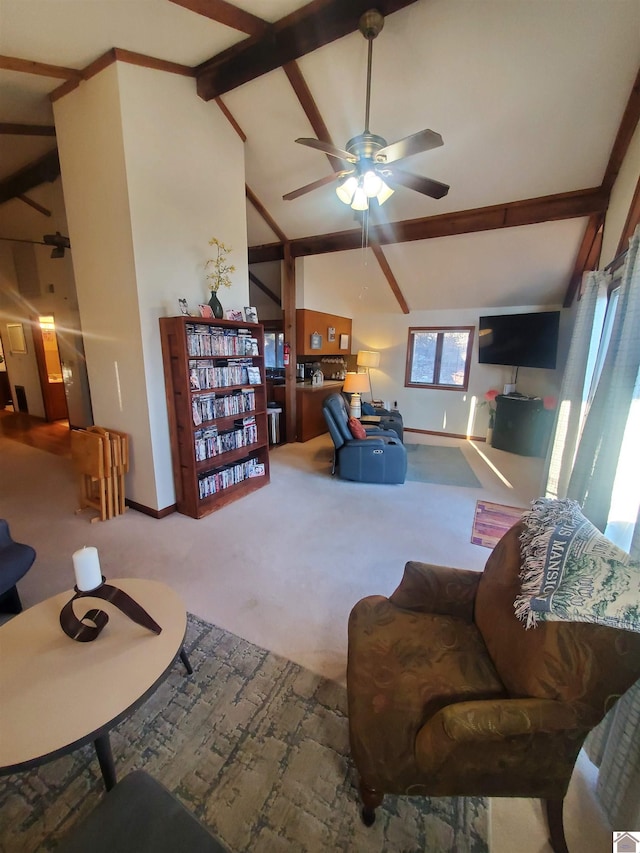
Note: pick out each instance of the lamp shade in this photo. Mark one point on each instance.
(356, 383)
(368, 358)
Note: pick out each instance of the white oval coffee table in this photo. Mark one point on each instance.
(58, 694)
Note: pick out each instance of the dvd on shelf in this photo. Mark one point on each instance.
(211, 482)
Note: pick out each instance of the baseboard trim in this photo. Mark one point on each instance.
(147, 510)
(446, 434)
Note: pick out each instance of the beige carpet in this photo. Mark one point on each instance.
(283, 567)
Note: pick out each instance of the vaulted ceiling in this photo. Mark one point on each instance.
(536, 104)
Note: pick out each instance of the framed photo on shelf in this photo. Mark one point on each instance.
(184, 308)
(250, 315)
(206, 311)
(344, 341)
(331, 334)
(316, 341)
(234, 314)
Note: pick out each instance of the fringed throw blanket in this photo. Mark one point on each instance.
(571, 572)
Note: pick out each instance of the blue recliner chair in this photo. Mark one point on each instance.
(377, 416)
(379, 458)
(15, 561)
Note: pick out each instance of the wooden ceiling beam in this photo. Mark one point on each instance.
(13, 129)
(627, 128)
(133, 58)
(531, 211)
(47, 168)
(303, 31)
(263, 287)
(231, 119)
(585, 256)
(308, 104)
(391, 279)
(34, 204)
(526, 212)
(27, 66)
(264, 213)
(266, 252)
(227, 14)
(633, 218)
(118, 54)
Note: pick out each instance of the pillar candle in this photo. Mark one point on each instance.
(86, 566)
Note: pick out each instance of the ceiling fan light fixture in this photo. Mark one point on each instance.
(346, 190)
(371, 183)
(360, 198)
(385, 192)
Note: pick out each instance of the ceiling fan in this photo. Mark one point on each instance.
(369, 173)
(57, 240)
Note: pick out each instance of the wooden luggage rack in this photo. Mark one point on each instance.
(100, 460)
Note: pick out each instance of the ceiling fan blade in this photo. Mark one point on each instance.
(314, 185)
(328, 148)
(424, 140)
(426, 186)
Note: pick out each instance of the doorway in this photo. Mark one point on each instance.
(45, 345)
(6, 401)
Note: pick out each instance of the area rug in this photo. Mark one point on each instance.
(491, 521)
(257, 748)
(428, 463)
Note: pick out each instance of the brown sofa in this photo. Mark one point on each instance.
(449, 695)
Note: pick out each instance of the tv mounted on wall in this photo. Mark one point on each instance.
(519, 340)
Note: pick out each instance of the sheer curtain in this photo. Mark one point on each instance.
(606, 470)
(576, 384)
(595, 459)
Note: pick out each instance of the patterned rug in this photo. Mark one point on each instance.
(491, 521)
(256, 747)
(429, 463)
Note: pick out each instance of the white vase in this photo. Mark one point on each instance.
(489, 434)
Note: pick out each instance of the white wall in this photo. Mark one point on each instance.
(453, 412)
(151, 172)
(348, 283)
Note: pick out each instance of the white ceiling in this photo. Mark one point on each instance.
(527, 95)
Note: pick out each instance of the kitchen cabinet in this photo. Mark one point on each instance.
(310, 420)
(309, 323)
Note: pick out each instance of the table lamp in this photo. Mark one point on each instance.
(355, 384)
(368, 358)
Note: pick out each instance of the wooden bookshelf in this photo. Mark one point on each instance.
(217, 417)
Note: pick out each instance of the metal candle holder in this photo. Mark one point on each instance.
(78, 630)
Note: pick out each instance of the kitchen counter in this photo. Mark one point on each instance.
(310, 420)
(331, 385)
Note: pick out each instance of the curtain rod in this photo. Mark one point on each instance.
(616, 262)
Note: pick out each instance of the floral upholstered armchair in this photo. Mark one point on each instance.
(450, 695)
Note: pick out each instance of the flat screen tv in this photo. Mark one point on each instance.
(519, 340)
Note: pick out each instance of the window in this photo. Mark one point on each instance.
(439, 357)
(274, 349)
